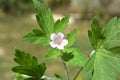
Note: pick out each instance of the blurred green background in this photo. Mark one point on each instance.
(17, 19)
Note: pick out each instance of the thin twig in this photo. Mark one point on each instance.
(77, 73)
(66, 70)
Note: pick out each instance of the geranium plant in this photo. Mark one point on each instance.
(102, 64)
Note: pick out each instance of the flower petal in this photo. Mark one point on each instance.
(53, 36)
(52, 44)
(64, 42)
(60, 35)
(60, 47)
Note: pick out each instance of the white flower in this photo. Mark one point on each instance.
(58, 41)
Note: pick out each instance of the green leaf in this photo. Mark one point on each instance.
(44, 17)
(89, 67)
(38, 32)
(22, 59)
(71, 37)
(28, 65)
(105, 62)
(115, 50)
(59, 76)
(95, 33)
(112, 33)
(53, 54)
(18, 76)
(46, 22)
(115, 59)
(76, 58)
(60, 25)
(37, 37)
(67, 56)
(101, 66)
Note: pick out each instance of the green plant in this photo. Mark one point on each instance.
(102, 64)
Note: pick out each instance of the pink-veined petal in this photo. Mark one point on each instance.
(52, 44)
(53, 36)
(64, 42)
(60, 35)
(60, 47)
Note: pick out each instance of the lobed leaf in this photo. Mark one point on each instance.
(76, 58)
(37, 37)
(60, 25)
(99, 66)
(112, 33)
(44, 17)
(67, 56)
(46, 22)
(28, 65)
(53, 54)
(95, 33)
(104, 63)
(71, 37)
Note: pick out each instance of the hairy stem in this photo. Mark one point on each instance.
(77, 73)
(66, 70)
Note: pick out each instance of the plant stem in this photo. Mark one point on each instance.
(66, 70)
(78, 73)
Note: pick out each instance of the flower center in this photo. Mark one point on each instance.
(58, 41)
